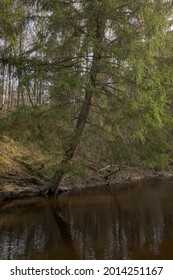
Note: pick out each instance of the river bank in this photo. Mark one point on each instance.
(22, 174)
(14, 186)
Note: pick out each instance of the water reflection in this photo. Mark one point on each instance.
(135, 222)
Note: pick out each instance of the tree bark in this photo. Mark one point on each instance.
(52, 186)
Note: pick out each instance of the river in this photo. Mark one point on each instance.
(132, 221)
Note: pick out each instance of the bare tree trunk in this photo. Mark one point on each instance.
(12, 105)
(5, 87)
(2, 89)
(52, 186)
(9, 88)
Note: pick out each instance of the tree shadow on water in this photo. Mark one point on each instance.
(64, 230)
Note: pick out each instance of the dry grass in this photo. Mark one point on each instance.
(15, 158)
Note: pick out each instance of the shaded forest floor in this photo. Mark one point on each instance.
(23, 170)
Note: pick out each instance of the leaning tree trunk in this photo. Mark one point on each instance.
(52, 186)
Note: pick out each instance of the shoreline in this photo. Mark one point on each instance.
(14, 186)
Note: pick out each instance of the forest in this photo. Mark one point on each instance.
(86, 85)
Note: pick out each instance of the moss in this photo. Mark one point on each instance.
(17, 158)
(3, 165)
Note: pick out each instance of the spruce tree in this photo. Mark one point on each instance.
(111, 47)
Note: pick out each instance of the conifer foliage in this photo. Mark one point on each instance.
(93, 76)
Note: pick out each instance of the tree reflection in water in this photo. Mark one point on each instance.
(135, 222)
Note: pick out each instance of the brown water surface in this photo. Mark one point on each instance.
(131, 222)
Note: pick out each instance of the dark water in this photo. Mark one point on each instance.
(134, 222)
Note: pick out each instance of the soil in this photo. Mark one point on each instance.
(16, 185)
